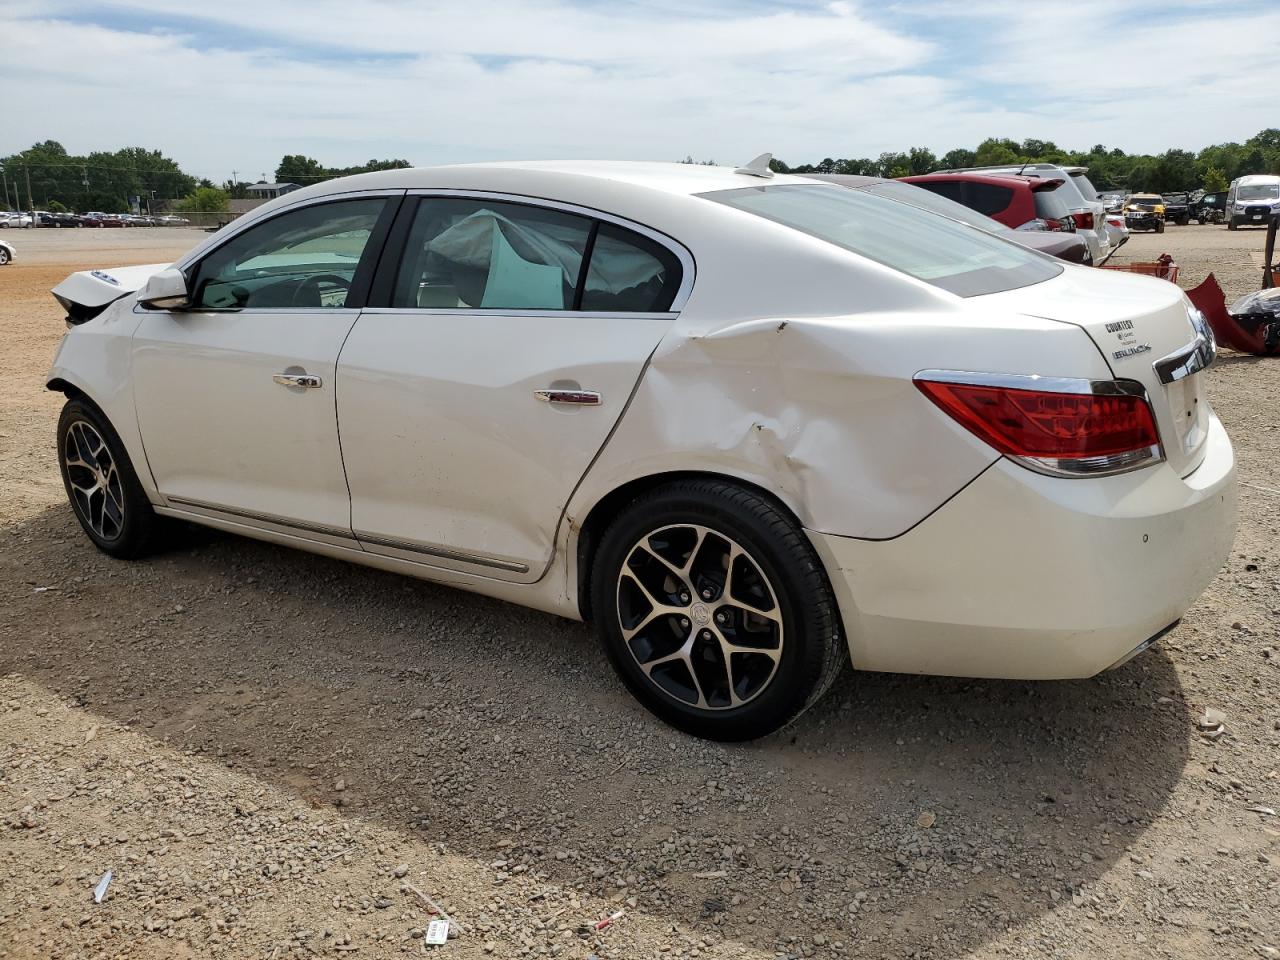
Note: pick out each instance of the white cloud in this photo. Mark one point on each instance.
(494, 79)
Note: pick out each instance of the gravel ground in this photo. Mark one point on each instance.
(279, 755)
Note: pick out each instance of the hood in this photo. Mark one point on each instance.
(87, 293)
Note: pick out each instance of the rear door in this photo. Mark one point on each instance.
(509, 339)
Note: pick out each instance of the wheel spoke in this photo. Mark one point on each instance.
(657, 613)
(659, 606)
(679, 573)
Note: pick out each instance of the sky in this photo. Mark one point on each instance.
(232, 86)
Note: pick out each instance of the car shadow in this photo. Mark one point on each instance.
(898, 806)
(1234, 359)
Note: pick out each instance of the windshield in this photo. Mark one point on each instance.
(937, 250)
(1259, 191)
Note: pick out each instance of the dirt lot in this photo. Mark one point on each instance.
(278, 755)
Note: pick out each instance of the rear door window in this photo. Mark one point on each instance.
(987, 198)
(629, 273)
(491, 255)
(481, 254)
(951, 189)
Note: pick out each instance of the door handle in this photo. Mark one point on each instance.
(584, 398)
(296, 380)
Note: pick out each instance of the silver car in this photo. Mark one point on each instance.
(1088, 211)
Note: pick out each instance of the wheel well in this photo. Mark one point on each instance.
(615, 501)
(69, 390)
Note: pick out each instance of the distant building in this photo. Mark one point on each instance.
(269, 191)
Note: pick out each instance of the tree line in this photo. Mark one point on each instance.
(1210, 169)
(47, 177)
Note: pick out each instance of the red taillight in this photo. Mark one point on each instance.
(1065, 432)
(1084, 221)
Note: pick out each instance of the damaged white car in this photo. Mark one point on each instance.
(750, 426)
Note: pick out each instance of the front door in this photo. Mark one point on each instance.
(235, 395)
(470, 407)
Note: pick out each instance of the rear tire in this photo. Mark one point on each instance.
(715, 610)
(1159, 226)
(101, 484)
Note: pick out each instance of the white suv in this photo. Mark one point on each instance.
(1089, 213)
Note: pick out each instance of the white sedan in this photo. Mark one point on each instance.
(751, 426)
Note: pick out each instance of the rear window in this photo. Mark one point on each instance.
(939, 251)
(1050, 205)
(1084, 185)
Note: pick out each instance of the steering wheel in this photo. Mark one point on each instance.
(314, 281)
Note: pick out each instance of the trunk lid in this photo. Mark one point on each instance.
(1135, 322)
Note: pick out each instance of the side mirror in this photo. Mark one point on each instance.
(166, 290)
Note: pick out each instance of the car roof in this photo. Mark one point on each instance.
(511, 176)
(997, 179)
(846, 179)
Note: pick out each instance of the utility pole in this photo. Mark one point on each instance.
(31, 204)
(4, 175)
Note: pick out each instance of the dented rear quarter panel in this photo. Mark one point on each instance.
(822, 410)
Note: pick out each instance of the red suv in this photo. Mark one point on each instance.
(1020, 203)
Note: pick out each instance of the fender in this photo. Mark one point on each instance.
(94, 360)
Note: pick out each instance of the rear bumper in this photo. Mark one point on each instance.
(1024, 576)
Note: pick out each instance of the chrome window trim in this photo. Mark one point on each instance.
(1196, 356)
(511, 312)
(197, 311)
(672, 245)
(248, 221)
(1077, 467)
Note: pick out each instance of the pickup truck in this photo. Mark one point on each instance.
(1177, 208)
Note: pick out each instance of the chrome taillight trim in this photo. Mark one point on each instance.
(1032, 381)
(1101, 466)
(1198, 355)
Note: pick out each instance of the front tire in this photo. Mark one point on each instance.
(102, 485)
(1159, 226)
(715, 611)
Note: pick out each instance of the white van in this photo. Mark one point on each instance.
(1252, 199)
